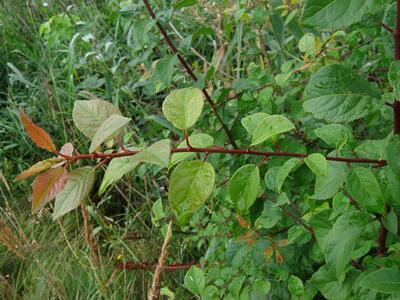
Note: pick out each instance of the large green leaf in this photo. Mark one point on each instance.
(335, 14)
(194, 280)
(276, 176)
(327, 186)
(107, 130)
(392, 153)
(332, 288)
(243, 188)
(342, 238)
(338, 94)
(78, 187)
(251, 122)
(365, 189)
(335, 135)
(157, 154)
(190, 185)
(268, 127)
(196, 140)
(89, 115)
(183, 107)
(384, 280)
(270, 216)
(317, 163)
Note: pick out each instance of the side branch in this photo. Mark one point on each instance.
(189, 70)
(96, 155)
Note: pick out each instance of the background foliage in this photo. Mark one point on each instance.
(312, 78)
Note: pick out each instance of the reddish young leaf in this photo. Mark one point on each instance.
(67, 150)
(46, 186)
(40, 137)
(38, 167)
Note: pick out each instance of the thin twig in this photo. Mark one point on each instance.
(221, 150)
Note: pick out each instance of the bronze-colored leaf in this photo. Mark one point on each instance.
(40, 137)
(46, 187)
(38, 167)
(67, 150)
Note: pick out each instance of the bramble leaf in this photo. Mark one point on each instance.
(191, 184)
(194, 280)
(40, 137)
(392, 153)
(78, 187)
(108, 130)
(158, 154)
(336, 14)
(243, 188)
(46, 187)
(276, 176)
(270, 126)
(335, 135)
(384, 280)
(88, 115)
(39, 167)
(365, 189)
(317, 163)
(338, 94)
(183, 107)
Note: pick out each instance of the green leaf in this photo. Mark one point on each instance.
(336, 14)
(317, 163)
(191, 184)
(335, 135)
(393, 187)
(210, 293)
(365, 189)
(261, 287)
(295, 286)
(116, 169)
(107, 130)
(197, 140)
(332, 288)
(384, 280)
(391, 222)
(243, 188)
(342, 238)
(374, 149)
(307, 44)
(251, 122)
(78, 187)
(89, 115)
(164, 71)
(185, 3)
(157, 154)
(270, 126)
(158, 210)
(270, 216)
(183, 107)
(338, 94)
(194, 280)
(276, 176)
(392, 152)
(327, 186)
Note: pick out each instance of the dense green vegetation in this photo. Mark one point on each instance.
(200, 149)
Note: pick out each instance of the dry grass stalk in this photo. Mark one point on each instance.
(154, 293)
(90, 240)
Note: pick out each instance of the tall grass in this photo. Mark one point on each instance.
(87, 54)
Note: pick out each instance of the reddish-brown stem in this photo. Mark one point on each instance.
(150, 266)
(187, 139)
(387, 27)
(226, 151)
(298, 220)
(396, 125)
(188, 69)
